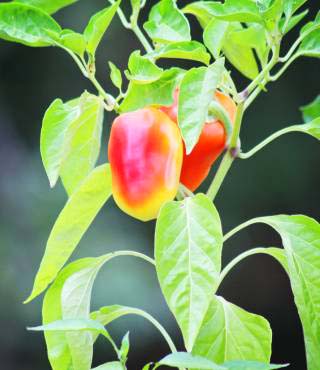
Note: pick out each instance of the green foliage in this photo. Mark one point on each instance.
(49, 6)
(188, 244)
(38, 31)
(82, 208)
(230, 333)
(167, 23)
(115, 75)
(142, 70)
(250, 365)
(73, 41)
(98, 25)
(184, 359)
(71, 139)
(311, 111)
(196, 93)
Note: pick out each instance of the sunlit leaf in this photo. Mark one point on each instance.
(190, 361)
(251, 365)
(214, 36)
(312, 111)
(142, 69)
(49, 6)
(73, 41)
(115, 75)
(188, 244)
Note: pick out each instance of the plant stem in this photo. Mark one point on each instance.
(285, 67)
(268, 140)
(229, 156)
(110, 100)
(135, 28)
(239, 228)
(134, 254)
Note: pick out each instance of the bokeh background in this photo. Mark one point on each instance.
(283, 178)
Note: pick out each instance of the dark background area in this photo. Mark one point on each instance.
(283, 178)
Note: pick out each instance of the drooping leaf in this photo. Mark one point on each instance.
(196, 92)
(192, 50)
(251, 365)
(70, 139)
(230, 333)
(167, 23)
(190, 361)
(49, 6)
(188, 244)
(37, 31)
(98, 25)
(115, 75)
(159, 92)
(301, 240)
(142, 70)
(73, 41)
(73, 221)
(312, 111)
(214, 36)
(202, 10)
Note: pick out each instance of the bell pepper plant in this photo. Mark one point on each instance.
(171, 127)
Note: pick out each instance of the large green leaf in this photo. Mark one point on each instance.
(190, 361)
(27, 25)
(202, 10)
(188, 243)
(98, 25)
(291, 6)
(167, 23)
(73, 221)
(251, 365)
(70, 139)
(214, 36)
(196, 93)
(311, 111)
(57, 346)
(142, 69)
(230, 333)
(159, 92)
(239, 55)
(192, 50)
(301, 240)
(49, 6)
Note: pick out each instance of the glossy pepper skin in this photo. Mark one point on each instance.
(145, 154)
(212, 141)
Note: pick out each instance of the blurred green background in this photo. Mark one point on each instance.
(283, 178)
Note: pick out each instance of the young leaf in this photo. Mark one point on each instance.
(251, 365)
(114, 365)
(190, 361)
(167, 23)
(192, 50)
(159, 92)
(230, 333)
(73, 41)
(288, 26)
(239, 55)
(214, 36)
(196, 92)
(124, 349)
(49, 6)
(71, 138)
(271, 12)
(188, 242)
(36, 32)
(312, 111)
(142, 69)
(82, 207)
(98, 25)
(115, 76)
(291, 6)
(57, 345)
(301, 240)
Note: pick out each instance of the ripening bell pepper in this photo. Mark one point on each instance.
(212, 141)
(145, 154)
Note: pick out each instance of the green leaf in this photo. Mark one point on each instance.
(98, 25)
(293, 21)
(114, 365)
(142, 69)
(310, 45)
(202, 10)
(190, 361)
(291, 6)
(81, 208)
(57, 345)
(37, 31)
(196, 93)
(71, 138)
(115, 76)
(167, 23)
(301, 240)
(240, 56)
(214, 36)
(49, 6)
(124, 349)
(159, 92)
(312, 111)
(71, 325)
(251, 365)
(230, 333)
(192, 50)
(73, 41)
(271, 12)
(188, 244)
